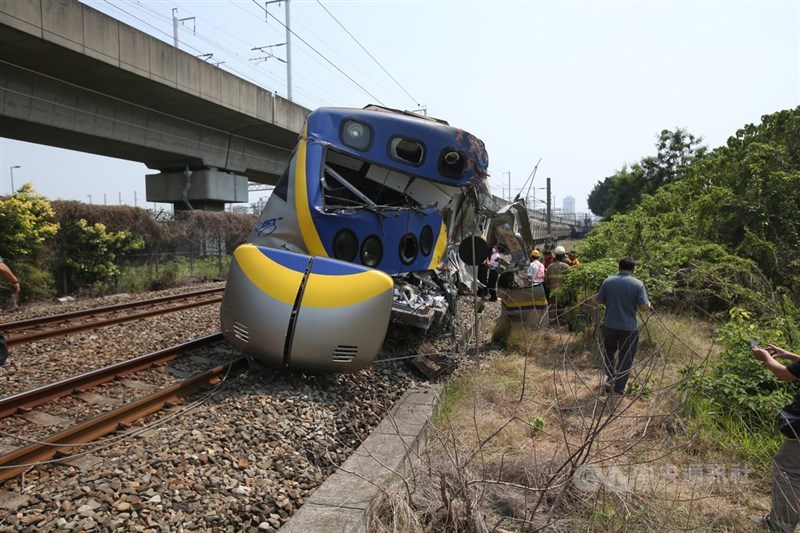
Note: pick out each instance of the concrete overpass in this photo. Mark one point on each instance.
(75, 78)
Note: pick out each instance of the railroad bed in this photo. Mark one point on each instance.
(245, 456)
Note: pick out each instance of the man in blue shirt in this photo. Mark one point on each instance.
(623, 295)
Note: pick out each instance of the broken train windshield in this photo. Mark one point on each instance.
(350, 183)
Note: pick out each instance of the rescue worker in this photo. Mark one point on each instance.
(548, 256)
(554, 278)
(573, 258)
(536, 269)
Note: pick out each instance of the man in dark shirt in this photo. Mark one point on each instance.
(623, 295)
(786, 464)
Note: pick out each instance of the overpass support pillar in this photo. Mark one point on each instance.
(207, 189)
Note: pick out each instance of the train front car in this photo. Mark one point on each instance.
(364, 195)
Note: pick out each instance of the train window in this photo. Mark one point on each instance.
(345, 245)
(371, 251)
(407, 151)
(452, 163)
(426, 240)
(356, 134)
(282, 188)
(409, 248)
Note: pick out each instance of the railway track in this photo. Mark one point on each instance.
(35, 329)
(246, 458)
(44, 449)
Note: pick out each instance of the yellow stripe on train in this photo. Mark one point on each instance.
(438, 250)
(322, 291)
(301, 202)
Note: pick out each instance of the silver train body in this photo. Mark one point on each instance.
(361, 230)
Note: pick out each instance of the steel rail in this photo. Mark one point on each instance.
(20, 460)
(40, 395)
(34, 322)
(84, 326)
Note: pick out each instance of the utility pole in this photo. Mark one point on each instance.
(549, 212)
(509, 184)
(175, 22)
(12, 177)
(288, 43)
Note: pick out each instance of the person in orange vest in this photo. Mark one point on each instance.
(573, 258)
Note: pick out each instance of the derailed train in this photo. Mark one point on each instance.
(362, 229)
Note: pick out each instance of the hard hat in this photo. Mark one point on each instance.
(535, 253)
(573, 252)
(560, 250)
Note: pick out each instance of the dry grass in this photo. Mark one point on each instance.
(524, 442)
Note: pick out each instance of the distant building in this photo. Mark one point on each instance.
(569, 205)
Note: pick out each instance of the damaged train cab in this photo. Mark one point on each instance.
(360, 230)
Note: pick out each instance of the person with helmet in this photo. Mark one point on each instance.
(536, 269)
(554, 278)
(573, 258)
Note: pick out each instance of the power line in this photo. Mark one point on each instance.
(338, 52)
(368, 53)
(320, 54)
(315, 96)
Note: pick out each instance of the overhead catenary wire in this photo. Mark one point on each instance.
(321, 55)
(310, 91)
(229, 53)
(416, 102)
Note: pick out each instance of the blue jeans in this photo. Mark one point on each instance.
(618, 369)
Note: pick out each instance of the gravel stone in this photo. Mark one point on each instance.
(245, 457)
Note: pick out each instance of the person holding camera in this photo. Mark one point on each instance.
(784, 513)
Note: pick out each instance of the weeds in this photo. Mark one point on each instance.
(526, 442)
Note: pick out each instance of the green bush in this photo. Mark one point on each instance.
(36, 283)
(736, 383)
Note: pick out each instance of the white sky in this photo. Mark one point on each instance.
(585, 86)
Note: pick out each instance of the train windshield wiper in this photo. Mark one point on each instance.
(349, 186)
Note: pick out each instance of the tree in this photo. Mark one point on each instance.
(93, 252)
(621, 192)
(26, 218)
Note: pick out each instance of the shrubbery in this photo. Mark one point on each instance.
(65, 246)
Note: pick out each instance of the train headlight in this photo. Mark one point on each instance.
(452, 163)
(345, 245)
(426, 240)
(409, 248)
(356, 134)
(371, 251)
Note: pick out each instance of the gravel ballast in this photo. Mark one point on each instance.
(243, 457)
